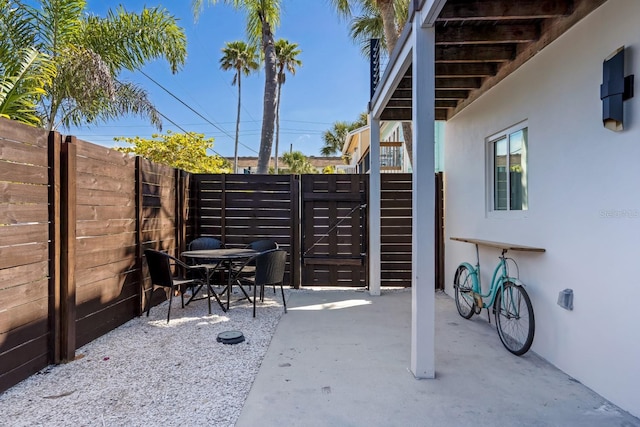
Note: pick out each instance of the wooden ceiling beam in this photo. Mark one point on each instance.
(402, 94)
(446, 103)
(483, 10)
(552, 30)
(442, 114)
(451, 94)
(487, 34)
(396, 114)
(458, 83)
(468, 69)
(475, 53)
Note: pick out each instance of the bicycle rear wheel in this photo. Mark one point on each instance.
(514, 318)
(463, 286)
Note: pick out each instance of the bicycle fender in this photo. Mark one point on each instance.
(472, 271)
(514, 280)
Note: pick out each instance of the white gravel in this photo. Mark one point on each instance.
(150, 373)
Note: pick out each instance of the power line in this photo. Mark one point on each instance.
(194, 111)
(183, 130)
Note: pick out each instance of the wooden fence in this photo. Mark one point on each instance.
(76, 217)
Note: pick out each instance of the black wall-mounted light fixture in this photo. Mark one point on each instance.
(615, 89)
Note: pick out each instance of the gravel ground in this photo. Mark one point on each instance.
(150, 373)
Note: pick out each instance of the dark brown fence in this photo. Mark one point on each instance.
(334, 230)
(26, 331)
(395, 224)
(76, 217)
(74, 220)
(396, 229)
(241, 208)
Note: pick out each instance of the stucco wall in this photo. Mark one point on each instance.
(584, 201)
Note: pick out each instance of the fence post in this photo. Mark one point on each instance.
(54, 146)
(139, 248)
(68, 250)
(223, 208)
(295, 274)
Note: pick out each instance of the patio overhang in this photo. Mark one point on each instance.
(478, 43)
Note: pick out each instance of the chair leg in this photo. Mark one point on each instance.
(254, 300)
(284, 302)
(246, 295)
(149, 300)
(169, 310)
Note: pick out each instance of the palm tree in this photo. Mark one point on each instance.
(88, 52)
(383, 19)
(263, 17)
(334, 138)
(286, 59)
(24, 72)
(298, 163)
(243, 59)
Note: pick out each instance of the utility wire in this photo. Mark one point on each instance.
(194, 111)
(183, 130)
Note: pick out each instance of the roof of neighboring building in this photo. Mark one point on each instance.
(319, 162)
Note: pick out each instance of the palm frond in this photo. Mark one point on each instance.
(23, 85)
(129, 99)
(128, 40)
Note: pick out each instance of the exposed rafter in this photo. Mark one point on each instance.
(480, 42)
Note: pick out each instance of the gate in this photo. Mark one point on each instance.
(334, 230)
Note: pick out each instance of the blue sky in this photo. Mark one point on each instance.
(332, 84)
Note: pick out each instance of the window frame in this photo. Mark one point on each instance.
(490, 189)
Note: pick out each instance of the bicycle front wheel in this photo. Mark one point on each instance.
(514, 318)
(463, 286)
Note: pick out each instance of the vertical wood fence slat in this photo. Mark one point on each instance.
(68, 242)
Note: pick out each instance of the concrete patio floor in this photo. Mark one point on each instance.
(341, 358)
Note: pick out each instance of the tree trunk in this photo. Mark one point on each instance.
(407, 132)
(269, 105)
(235, 153)
(391, 36)
(277, 124)
(389, 22)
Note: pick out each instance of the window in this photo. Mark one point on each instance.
(508, 169)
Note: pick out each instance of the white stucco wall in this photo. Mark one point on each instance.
(584, 201)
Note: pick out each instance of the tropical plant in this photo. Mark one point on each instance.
(334, 138)
(24, 72)
(186, 151)
(243, 59)
(263, 17)
(382, 19)
(286, 60)
(298, 162)
(88, 53)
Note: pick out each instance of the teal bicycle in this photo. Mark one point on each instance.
(506, 297)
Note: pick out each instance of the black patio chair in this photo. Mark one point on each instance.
(208, 266)
(269, 270)
(248, 269)
(205, 243)
(161, 266)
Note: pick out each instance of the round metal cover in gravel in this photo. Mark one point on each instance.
(230, 337)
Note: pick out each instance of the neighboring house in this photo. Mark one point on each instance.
(393, 153)
(529, 162)
(250, 164)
